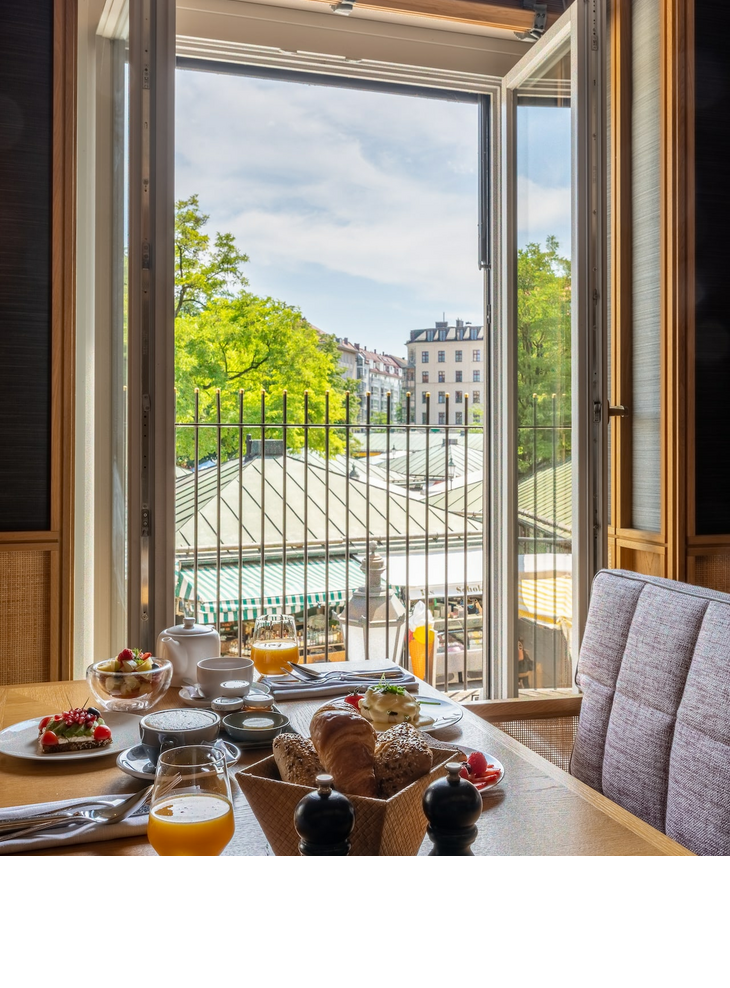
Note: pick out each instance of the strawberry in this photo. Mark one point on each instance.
(49, 738)
(126, 655)
(477, 763)
(102, 732)
(354, 699)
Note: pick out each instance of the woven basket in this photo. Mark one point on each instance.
(387, 827)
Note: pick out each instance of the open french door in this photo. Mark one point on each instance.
(548, 362)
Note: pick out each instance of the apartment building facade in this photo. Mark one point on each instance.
(446, 360)
(377, 373)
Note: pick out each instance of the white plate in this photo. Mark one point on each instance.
(192, 697)
(444, 715)
(21, 740)
(491, 760)
(135, 761)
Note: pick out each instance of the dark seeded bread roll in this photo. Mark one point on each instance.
(402, 755)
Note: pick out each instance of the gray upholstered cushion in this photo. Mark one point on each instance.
(654, 731)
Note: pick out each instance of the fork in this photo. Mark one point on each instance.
(102, 817)
(322, 677)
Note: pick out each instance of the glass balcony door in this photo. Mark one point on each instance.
(550, 369)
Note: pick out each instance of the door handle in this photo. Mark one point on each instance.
(617, 410)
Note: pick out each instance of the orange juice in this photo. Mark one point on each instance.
(270, 655)
(417, 650)
(191, 824)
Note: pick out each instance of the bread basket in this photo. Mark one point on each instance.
(387, 827)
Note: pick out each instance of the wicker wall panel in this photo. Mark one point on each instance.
(25, 602)
(551, 737)
(713, 572)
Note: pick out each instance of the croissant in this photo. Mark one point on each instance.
(345, 743)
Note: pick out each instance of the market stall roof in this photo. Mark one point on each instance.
(334, 513)
(414, 465)
(440, 572)
(326, 582)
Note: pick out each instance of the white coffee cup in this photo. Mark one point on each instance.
(213, 672)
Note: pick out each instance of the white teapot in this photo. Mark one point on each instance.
(185, 645)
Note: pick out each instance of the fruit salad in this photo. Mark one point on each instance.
(135, 663)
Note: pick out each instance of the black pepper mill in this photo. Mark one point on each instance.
(324, 820)
(453, 805)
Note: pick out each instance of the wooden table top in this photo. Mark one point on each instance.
(538, 809)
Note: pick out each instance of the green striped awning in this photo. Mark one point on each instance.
(322, 587)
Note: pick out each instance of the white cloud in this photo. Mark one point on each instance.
(363, 184)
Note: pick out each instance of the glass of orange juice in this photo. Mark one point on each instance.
(274, 643)
(417, 649)
(191, 812)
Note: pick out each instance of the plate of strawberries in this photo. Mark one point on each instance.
(483, 770)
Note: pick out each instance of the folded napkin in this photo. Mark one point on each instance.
(76, 833)
(291, 688)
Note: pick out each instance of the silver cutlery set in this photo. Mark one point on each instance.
(83, 813)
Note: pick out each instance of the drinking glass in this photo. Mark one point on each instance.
(191, 811)
(274, 643)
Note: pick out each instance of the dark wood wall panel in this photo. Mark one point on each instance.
(26, 77)
(712, 257)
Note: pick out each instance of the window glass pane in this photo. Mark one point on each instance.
(544, 488)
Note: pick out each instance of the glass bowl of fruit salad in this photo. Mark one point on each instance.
(133, 681)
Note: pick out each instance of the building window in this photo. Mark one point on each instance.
(442, 397)
(412, 357)
(460, 334)
(477, 397)
(442, 334)
(423, 397)
(476, 356)
(442, 356)
(424, 377)
(458, 355)
(459, 397)
(476, 376)
(424, 356)
(474, 333)
(430, 335)
(459, 377)
(442, 377)
(458, 418)
(424, 418)
(442, 418)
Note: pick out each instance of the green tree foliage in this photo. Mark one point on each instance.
(203, 272)
(543, 356)
(229, 340)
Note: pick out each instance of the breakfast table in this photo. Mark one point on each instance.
(538, 809)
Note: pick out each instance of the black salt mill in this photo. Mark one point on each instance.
(324, 820)
(452, 805)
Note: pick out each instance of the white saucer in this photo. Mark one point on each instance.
(192, 697)
(135, 761)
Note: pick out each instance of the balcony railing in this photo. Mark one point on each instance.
(274, 513)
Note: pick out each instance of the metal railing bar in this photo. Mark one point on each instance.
(408, 518)
(447, 451)
(367, 525)
(387, 527)
(347, 524)
(466, 559)
(305, 622)
(284, 504)
(240, 522)
(327, 526)
(196, 483)
(430, 674)
(218, 450)
(262, 468)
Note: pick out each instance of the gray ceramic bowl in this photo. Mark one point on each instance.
(252, 725)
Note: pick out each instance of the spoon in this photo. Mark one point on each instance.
(98, 816)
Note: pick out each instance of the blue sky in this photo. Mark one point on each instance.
(359, 207)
